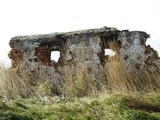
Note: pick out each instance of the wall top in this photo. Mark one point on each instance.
(67, 34)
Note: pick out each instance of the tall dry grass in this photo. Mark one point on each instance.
(15, 83)
(114, 77)
(122, 80)
(78, 83)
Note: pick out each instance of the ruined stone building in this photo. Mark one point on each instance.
(78, 49)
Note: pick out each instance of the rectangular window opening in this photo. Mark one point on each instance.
(55, 55)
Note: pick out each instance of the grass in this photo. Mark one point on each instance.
(108, 107)
(15, 83)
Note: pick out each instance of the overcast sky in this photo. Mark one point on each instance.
(26, 17)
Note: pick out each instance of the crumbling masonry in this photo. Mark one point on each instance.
(78, 49)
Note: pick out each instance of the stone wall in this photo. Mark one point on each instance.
(80, 49)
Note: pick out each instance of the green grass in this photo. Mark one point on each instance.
(111, 107)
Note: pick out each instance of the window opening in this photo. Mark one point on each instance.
(109, 52)
(55, 55)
